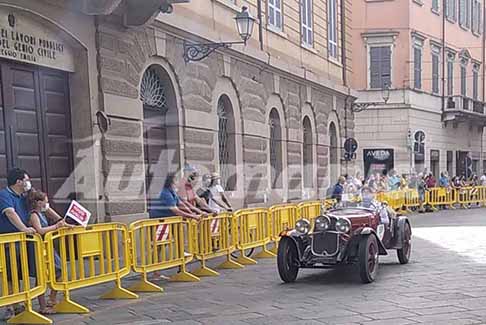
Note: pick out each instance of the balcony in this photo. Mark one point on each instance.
(460, 108)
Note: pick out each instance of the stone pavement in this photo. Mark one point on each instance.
(441, 285)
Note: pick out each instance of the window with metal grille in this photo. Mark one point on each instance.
(275, 14)
(307, 153)
(226, 141)
(332, 28)
(435, 71)
(275, 150)
(463, 80)
(380, 67)
(152, 90)
(306, 22)
(417, 67)
(450, 75)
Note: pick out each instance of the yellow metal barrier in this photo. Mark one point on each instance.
(439, 196)
(411, 199)
(89, 256)
(309, 210)
(158, 244)
(471, 195)
(328, 204)
(253, 230)
(281, 217)
(14, 275)
(213, 237)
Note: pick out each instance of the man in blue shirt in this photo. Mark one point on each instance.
(13, 205)
(14, 217)
(444, 179)
(169, 204)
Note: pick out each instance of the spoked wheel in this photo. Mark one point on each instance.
(368, 258)
(248, 253)
(287, 258)
(404, 252)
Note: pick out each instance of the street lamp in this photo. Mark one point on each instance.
(199, 51)
(385, 95)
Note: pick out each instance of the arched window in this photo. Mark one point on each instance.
(160, 132)
(333, 152)
(275, 150)
(226, 141)
(307, 153)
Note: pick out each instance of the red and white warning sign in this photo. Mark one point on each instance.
(162, 233)
(78, 213)
(215, 226)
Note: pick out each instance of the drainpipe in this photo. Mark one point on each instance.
(101, 107)
(483, 85)
(443, 59)
(260, 25)
(343, 42)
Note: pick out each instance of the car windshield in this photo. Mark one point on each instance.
(350, 212)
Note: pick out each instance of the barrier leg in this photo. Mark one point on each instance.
(67, 306)
(242, 259)
(118, 292)
(265, 253)
(274, 249)
(229, 264)
(184, 276)
(144, 285)
(204, 270)
(29, 316)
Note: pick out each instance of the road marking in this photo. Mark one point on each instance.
(466, 241)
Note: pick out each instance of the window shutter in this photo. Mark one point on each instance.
(385, 66)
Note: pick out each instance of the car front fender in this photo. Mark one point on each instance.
(293, 236)
(367, 231)
(401, 222)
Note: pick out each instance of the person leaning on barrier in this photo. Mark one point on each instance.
(218, 200)
(14, 218)
(168, 204)
(39, 205)
(190, 201)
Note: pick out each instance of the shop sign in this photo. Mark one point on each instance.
(25, 39)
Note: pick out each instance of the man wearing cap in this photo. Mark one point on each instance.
(188, 196)
(218, 200)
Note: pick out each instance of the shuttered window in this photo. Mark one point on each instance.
(465, 13)
(476, 16)
(463, 80)
(435, 5)
(475, 82)
(435, 72)
(380, 67)
(450, 77)
(451, 9)
(417, 67)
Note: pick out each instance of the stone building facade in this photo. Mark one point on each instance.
(139, 111)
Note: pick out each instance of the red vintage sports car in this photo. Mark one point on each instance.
(345, 236)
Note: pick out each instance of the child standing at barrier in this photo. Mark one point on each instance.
(38, 203)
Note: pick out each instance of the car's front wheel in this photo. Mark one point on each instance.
(368, 258)
(404, 252)
(287, 258)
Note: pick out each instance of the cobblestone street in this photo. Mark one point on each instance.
(445, 283)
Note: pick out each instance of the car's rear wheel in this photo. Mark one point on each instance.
(368, 258)
(287, 258)
(404, 252)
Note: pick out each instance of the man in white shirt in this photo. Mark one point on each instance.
(218, 200)
(482, 179)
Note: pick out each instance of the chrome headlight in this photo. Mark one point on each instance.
(343, 225)
(302, 226)
(322, 223)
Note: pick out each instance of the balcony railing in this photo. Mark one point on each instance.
(461, 103)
